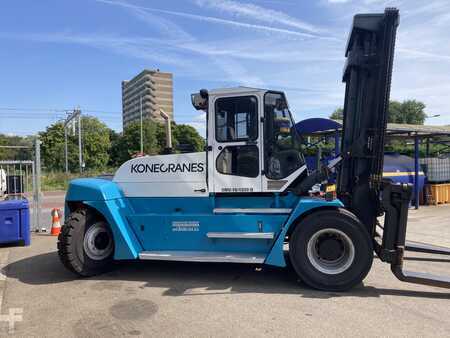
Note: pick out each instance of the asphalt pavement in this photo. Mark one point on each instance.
(166, 299)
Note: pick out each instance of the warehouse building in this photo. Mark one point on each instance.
(154, 88)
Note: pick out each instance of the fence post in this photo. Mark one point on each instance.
(416, 171)
(37, 182)
(80, 149)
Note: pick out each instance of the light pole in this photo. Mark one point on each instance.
(142, 138)
(166, 117)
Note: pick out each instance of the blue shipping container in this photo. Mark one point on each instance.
(15, 222)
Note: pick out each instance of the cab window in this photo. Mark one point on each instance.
(282, 154)
(236, 119)
(239, 161)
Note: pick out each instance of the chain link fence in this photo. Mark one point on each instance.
(22, 179)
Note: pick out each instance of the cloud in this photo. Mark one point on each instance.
(200, 117)
(307, 64)
(427, 8)
(258, 13)
(423, 55)
(238, 73)
(200, 126)
(217, 20)
(137, 47)
(164, 26)
(273, 51)
(235, 72)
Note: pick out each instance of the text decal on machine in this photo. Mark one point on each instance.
(185, 226)
(141, 168)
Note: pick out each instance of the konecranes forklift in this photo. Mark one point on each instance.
(227, 205)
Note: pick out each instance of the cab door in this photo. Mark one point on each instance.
(235, 141)
(283, 159)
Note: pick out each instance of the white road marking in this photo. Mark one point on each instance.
(3, 262)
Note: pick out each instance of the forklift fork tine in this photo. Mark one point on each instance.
(426, 248)
(421, 278)
(417, 277)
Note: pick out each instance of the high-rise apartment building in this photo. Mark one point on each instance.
(154, 88)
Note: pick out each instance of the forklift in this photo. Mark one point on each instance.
(247, 198)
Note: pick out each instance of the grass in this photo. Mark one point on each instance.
(51, 181)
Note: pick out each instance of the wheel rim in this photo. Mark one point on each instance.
(98, 242)
(331, 251)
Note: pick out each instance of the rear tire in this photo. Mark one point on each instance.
(331, 250)
(85, 244)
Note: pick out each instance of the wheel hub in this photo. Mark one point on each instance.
(330, 248)
(330, 251)
(98, 243)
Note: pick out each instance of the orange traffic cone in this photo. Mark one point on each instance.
(56, 224)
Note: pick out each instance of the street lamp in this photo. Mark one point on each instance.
(142, 138)
(166, 118)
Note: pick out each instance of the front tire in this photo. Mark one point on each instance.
(331, 250)
(85, 244)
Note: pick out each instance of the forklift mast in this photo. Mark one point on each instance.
(360, 185)
(367, 74)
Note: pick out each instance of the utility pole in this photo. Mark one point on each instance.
(142, 137)
(65, 150)
(71, 118)
(80, 152)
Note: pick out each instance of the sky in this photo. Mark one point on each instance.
(59, 54)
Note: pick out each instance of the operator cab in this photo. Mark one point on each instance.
(252, 144)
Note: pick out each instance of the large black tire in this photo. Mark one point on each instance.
(321, 248)
(74, 251)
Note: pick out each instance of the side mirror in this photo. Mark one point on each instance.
(200, 100)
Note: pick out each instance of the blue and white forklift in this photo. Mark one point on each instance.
(246, 198)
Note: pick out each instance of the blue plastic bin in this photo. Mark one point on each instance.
(15, 222)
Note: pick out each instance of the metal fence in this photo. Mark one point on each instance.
(22, 179)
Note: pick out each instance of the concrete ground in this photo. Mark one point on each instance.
(197, 300)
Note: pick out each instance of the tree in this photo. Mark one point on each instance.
(161, 135)
(52, 148)
(408, 111)
(129, 142)
(114, 152)
(338, 114)
(187, 137)
(15, 154)
(95, 140)
(184, 137)
(395, 112)
(96, 143)
(103, 147)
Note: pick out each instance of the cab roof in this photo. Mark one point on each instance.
(235, 90)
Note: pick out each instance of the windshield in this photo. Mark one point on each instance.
(282, 155)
